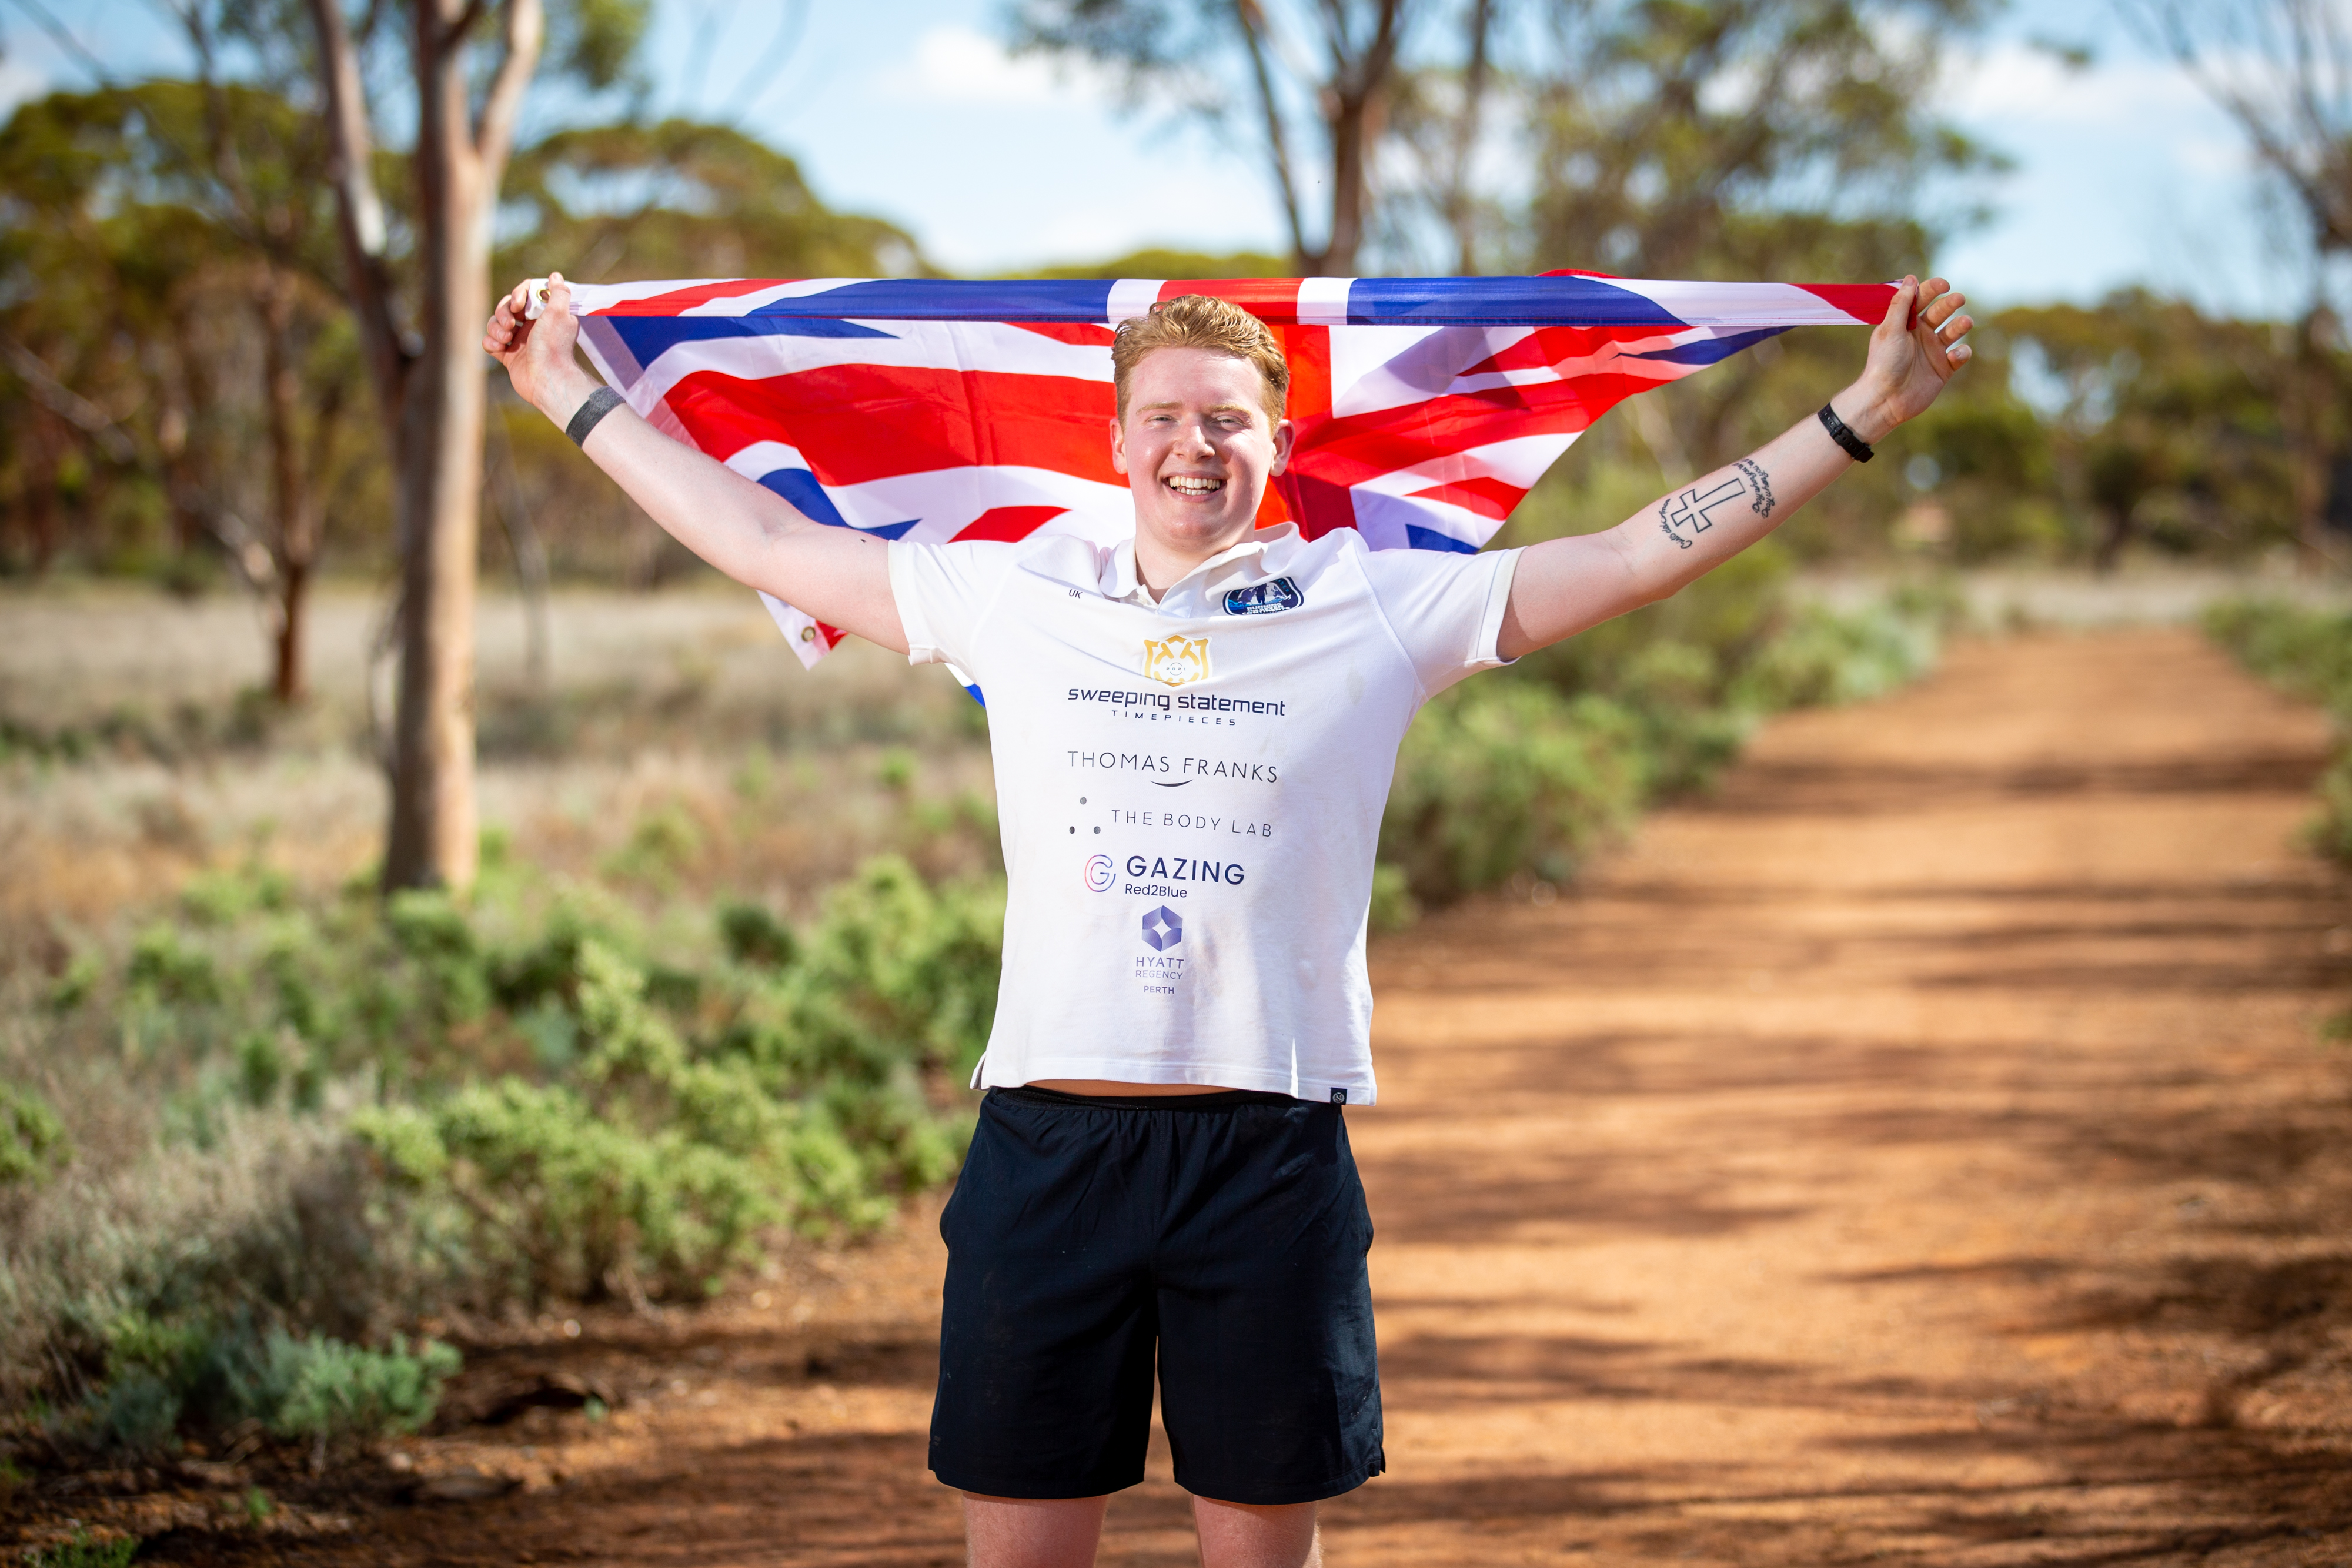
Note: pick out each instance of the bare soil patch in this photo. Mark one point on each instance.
(1924, 1151)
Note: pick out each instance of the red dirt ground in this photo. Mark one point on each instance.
(1924, 1151)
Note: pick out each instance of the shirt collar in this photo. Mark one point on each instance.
(1119, 580)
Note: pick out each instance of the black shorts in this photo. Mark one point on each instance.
(1228, 1230)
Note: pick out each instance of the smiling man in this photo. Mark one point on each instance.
(1193, 735)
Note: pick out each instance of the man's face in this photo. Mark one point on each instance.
(1196, 447)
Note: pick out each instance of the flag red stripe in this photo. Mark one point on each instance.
(1007, 524)
(858, 422)
(1487, 496)
(679, 301)
(1866, 302)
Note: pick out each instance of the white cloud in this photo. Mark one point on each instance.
(956, 64)
(19, 83)
(2016, 82)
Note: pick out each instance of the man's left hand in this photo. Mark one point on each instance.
(1911, 358)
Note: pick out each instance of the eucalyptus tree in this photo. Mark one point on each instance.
(419, 290)
(2283, 71)
(174, 263)
(672, 198)
(1793, 140)
(1332, 64)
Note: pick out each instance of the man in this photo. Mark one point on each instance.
(1193, 735)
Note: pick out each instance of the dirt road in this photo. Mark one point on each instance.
(1922, 1152)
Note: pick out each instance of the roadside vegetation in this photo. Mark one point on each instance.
(1514, 779)
(2307, 652)
(270, 1150)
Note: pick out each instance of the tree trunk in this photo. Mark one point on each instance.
(295, 528)
(2115, 534)
(1355, 99)
(186, 472)
(1348, 171)
(1461, 211)
(40, 492)
(2308, 438)
(432, 840)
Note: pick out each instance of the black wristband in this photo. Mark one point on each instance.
(601, 402)
(1855, 447)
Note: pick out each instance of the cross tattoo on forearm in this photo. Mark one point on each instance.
(1693, 510)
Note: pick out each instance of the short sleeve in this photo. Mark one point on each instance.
(943, 591)
(1446, 610)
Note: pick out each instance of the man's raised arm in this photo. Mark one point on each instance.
(1563, 586)
(841, 576)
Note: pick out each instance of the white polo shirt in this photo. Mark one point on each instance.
(1191, 792)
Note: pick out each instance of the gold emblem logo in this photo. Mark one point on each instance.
(1176, 660)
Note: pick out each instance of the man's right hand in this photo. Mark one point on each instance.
(841, 576)
(538, 355)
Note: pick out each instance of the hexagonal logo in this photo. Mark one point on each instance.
(1162, 929)
(1176, 660)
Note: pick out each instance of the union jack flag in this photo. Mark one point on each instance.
(918, 409)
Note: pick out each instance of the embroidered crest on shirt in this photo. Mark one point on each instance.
(1176, 660)
(1269, 598)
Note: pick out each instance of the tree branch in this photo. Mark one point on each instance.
(359, 210)
(454, 34)
(494, 126)
(1459, 210)
(66, 403)
(1249, 17)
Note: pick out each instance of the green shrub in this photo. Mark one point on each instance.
(166, 1376)
(1508, 777)
(347, 1115)
(754, 936)
(329, 1392)
(169, 971)
(32, 1140)
(1526, 772)
(2306, 651)
(1393, 905)
(81, 1551)
(555, 1200)
(1822, 659)
(2309, 654)
(663, 842)
(2331, 832)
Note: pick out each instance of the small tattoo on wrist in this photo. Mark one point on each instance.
(1759, 484)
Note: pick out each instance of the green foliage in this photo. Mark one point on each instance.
(1505, 776)
(32, 1140)
(595, 40)
(1679, 141)
(1393, 906)
(1159, 262)
(645, 1159)
(82, 1551)
(754, 936)
(683, 198)
(473, 1103)
(151, 237)
(163, 1376)
(165, 968)
(1524, 774)
(1822, 658)
(2308, 652)
(663, 842)
(2162, 423)
(324, 1391)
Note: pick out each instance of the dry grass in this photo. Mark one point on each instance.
(683, 706)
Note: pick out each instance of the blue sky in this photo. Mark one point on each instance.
(908, 108)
